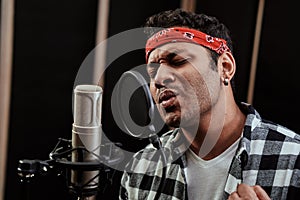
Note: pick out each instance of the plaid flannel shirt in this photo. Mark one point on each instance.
(268, 155)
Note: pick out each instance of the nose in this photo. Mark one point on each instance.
(164, 76)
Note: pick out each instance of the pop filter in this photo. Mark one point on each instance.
(133, 108)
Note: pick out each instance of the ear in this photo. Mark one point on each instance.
(226, 65)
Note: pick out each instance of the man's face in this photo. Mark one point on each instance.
(182, 82)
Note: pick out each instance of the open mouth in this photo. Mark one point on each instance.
(167, 98)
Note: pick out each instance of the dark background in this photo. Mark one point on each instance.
(53, 37)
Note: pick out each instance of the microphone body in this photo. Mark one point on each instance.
(86, 137)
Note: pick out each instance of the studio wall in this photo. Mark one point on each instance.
(52, 39)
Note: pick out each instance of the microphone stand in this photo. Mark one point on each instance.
(60, 160)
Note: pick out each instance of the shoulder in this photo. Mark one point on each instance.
(275, 132)
(268, 138)
(276, 141)
(259, 128)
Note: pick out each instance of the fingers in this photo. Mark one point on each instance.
(234, 196)
(261, 194)
(246, 192)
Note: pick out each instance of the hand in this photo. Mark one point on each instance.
(247, 192)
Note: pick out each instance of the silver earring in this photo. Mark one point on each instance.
(226, 81)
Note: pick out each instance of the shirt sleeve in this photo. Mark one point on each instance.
(123, 193)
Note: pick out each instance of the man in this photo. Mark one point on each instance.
(217, 148)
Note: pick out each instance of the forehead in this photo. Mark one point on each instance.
(179, 48)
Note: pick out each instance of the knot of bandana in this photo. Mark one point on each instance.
(182, 34)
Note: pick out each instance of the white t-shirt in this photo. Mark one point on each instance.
(206, 178)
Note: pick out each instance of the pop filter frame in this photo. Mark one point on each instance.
(129, 82)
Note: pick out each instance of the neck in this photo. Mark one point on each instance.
(218, 130)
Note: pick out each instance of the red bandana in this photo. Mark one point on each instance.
(181, 34)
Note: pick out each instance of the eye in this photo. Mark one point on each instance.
(179, 62)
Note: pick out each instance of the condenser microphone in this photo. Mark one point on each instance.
(86, 138)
